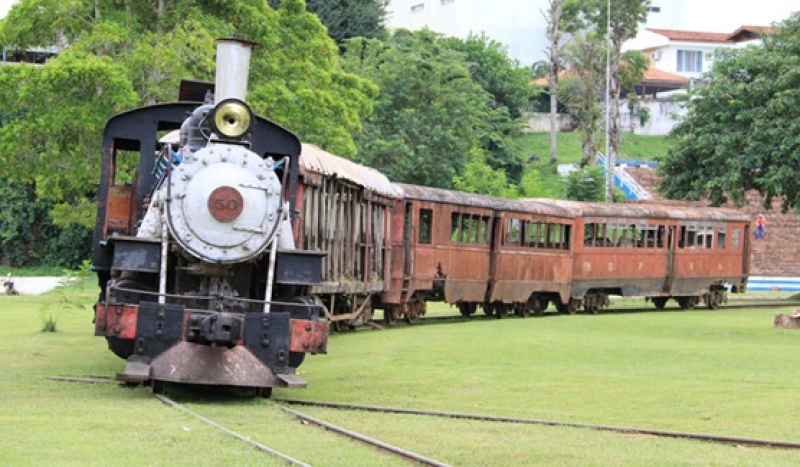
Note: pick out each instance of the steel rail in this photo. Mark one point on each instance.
(736, 440)
(236, 435)
(364, 439)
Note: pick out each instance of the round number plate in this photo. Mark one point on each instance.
(225, 203)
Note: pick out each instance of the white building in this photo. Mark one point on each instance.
(520, 24)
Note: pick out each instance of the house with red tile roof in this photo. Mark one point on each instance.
(690, 53)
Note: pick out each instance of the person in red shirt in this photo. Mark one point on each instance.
(761, 224)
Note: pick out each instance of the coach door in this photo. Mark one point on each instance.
(672, 244)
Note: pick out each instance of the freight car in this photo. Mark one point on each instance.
(201, 281)
(395, 246)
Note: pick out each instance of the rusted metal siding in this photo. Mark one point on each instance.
(345, 212)
(520, 269)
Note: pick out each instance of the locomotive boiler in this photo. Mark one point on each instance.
(201, 282)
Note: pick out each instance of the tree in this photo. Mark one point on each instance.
(124, 54)
(554, 33)
(346, 19)
(621, 25)
(429, 115)
(508, 83)
(584, 56)
(742, 130)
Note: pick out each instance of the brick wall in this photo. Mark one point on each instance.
(778, 254)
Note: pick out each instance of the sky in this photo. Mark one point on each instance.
(4, 6)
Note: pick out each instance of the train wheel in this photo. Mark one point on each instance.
(522, 310)
(537, 305)
(467, 309)
(714, 299)
(158, 387)
(500, 310)
(572, 306)
(488, 309)
(687, 303)
(660, 302)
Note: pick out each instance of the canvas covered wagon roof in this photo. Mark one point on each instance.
(313, 159)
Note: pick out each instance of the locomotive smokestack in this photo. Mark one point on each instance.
(233, 68)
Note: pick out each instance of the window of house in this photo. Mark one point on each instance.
(425, 226)
(417, 8)
(690, 60)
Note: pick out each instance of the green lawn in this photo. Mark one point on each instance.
(637, 147)
(722, 372)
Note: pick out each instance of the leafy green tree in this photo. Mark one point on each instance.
(429, 114)
(585, 57)
(122, 54)
(586, 184)
(479, 177)
(346, 19)
(55, 141)
(509, 85)
(555, 33)
(742, 131)
(621, 24)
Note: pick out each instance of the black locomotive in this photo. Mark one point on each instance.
(201, 282)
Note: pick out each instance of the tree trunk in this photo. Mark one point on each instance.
(554, 34)
(613, 130)
(553, 127)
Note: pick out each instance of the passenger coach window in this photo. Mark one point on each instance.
(735, 232)
(469, 228)
(512, 232)
(721, 237)
(696, 236)
(425, 226)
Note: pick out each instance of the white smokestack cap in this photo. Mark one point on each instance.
(233, 68)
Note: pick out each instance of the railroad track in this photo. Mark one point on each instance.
(734, 440)
(418, 458)
(455, 318)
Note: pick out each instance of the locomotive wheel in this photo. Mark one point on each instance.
(660, 302)
(467, 309)
(158, 387)
(122, 348)
(687, 303)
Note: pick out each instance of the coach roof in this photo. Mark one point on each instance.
(314, 159)
(650, 210)
(460, 198)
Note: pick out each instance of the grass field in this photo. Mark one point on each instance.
(632, 146)
(721, 372)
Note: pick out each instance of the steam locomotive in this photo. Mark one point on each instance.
(201, 281)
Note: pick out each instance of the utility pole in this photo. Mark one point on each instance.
(609, 157)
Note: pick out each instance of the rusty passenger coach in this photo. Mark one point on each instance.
(657, 251)
(395, 247)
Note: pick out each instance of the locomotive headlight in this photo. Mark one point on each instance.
(231, 118)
